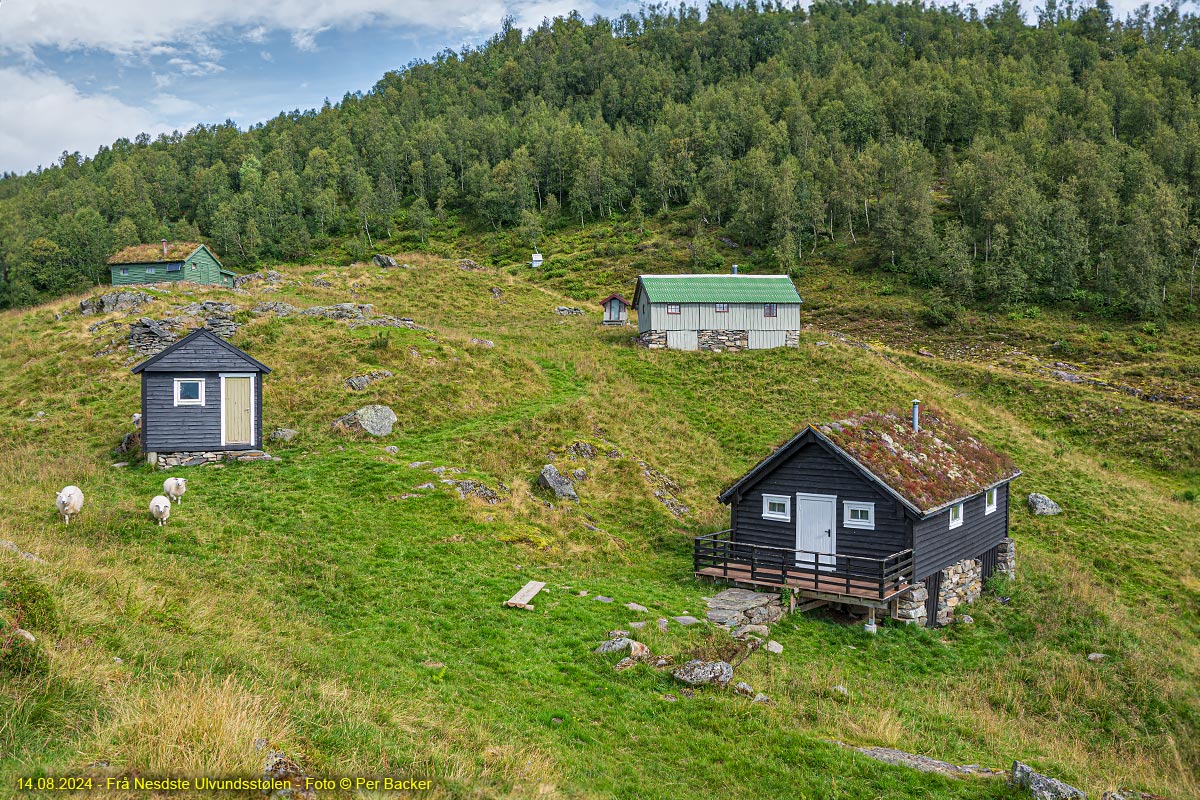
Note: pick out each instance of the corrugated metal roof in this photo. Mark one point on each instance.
(718, 289)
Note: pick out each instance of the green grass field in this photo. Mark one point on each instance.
(309, 602)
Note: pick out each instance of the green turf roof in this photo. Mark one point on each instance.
(718, 289)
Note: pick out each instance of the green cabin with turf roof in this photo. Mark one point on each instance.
(717, 312)
(168, 261)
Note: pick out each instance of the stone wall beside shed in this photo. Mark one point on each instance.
(714, 341)
(957, 585)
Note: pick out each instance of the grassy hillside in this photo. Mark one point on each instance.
(328, 604)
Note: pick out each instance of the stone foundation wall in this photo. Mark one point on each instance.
(961, 583)
(654, 340)
(1006, 558)
(791, 338)
(911, 608)
(718, 341)
(197, 458)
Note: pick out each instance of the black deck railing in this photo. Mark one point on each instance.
(718, 555)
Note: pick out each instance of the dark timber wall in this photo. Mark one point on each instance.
(814, 469)
(936, 546)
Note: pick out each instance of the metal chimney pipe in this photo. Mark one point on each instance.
(916, 416)
(164, 248)
(735, 269)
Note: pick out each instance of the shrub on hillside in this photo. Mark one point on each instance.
(25, 605)
(940, 310)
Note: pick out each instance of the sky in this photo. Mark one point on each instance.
(78, 74)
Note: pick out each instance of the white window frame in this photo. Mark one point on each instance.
(151, 270)
(990, 500)
(253, 405)
(720, 308)
(678, 309)
(124, 270)
(962, 515)
(863, 524)
(174, 267)
(767, 513)
(181, 401)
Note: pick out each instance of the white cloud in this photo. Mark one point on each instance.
(42, 115)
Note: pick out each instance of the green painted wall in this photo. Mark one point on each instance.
(200, 267)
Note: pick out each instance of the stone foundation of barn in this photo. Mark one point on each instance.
(957, 585)
(962, 583)
(911, 607)
(654, 340)
(198, 458)
(719, 341)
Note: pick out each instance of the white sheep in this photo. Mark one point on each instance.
(136, 419)
(160, 509)
(174, 488)
(69, 502)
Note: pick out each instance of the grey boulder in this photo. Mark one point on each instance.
(283, 434)
(552, 479)
(1042, 506)
(375, 420)
(698, 672)
(1042, 787)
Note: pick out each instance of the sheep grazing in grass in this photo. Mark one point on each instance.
(174, 488)
(69, 502)
(160, 509)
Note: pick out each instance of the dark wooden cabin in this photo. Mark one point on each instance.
(201, 395)
(857, 510)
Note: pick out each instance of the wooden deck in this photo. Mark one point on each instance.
(826, 587)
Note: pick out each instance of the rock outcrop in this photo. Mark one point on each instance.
(550, 478)
(375, 420)
(1042, 506)
(123, 300)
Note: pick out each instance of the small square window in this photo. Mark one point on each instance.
(770, 310)
(124, 270)
(174, 267)
(989, 504)
(956, 515)
(672, 308)
(189, 392)
(721, 308)
(151, 270)
(777, 507)
(858, 515)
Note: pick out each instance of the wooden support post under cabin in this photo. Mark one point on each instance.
(870, 626)
(528, 591)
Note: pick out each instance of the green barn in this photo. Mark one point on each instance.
(170, 261)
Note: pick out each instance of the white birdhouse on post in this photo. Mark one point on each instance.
(536, 261)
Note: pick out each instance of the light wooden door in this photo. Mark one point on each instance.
(238, 410)
(816, 529)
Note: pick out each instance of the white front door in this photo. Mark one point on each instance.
(816, 529)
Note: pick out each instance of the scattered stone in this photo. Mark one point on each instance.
(346, 311)
(284, 434)
(773, 647)
(360, 382)
(120, 464)
(477, 489)
(743, 630)
(670, 698)
(662, 624)
(736, 607)
(637, 626)
(625, 663)
(685, 620)
(618, 634)
(279, 767)
(482, 342)
(418, 464)
(615, 645)
(761, 699)
(150, 337)
(266, 276)
(582, 450)
(841, 691)
(579, 474)
(496, 292)
(603, 599)
(1042, 787)
(1097, 657)
(1042, 506)
(321, 283)
(582, 593)
(660, 662)
(206, 307)
(925, 353)
(744, 688)
(568, 311)
(276, 307)
(965, 619)
(391, 449)
(920, 763)
(114, 301)
(1068, 377)
(636, 607)
(556, 720)
(550, 478)
(375, 420)
(26, 635)
(822, 344)
(131, 442)
(384, 261)
(260, 744)
(698, 672)
(469, 265)
(427, 485)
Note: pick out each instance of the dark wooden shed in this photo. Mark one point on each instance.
(875, 510)
(201, 400)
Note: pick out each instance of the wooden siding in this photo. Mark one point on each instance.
(703, 317)
(937, 546)
(167, 428)
(813, 469)
(204, 355)
(200, 267)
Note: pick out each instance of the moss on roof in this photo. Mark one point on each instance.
(153, 253)
(936, 466)
(718, 289)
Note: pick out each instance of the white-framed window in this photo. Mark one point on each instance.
(189, 391)
(989, 502)
(672, 308)
(777, 506)
(151, 270)
(721, 308)
(956, 515)
(770, 310)
(124, 270)
(174, 267)
(858, 515)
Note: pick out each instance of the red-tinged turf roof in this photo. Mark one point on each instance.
(930, 469)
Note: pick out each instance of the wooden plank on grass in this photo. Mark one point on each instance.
(521, 599)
